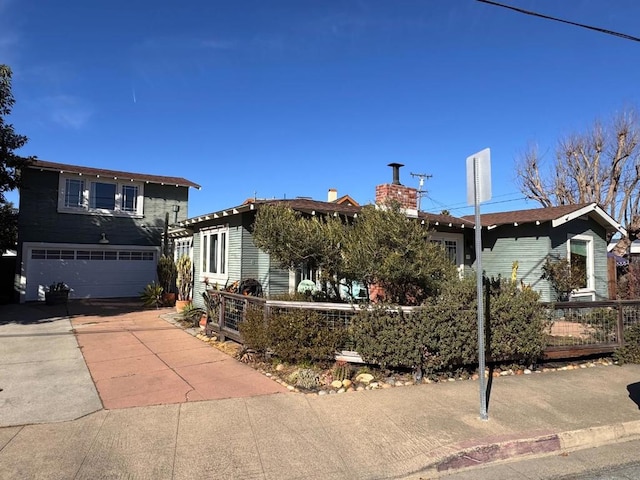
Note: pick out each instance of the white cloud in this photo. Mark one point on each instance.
(66, 111)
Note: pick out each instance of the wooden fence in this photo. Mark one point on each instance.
(575, 329)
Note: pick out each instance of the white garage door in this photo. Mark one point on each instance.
(91, 272)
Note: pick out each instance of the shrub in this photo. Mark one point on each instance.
(192, 314)
(387, 336)
(442, 334)
(254, 331)
(630, 351)
(299, 335)
(516, 323)
(151, 296)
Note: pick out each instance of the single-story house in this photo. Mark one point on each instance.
(97, 230)
(577, 233)
(221, 246)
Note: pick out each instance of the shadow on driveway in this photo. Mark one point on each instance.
(39, 312)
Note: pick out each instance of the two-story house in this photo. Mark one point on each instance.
(99, 231)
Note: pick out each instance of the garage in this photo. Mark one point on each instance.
(91, 271)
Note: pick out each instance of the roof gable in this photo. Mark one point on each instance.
(556, 215)
(116, 174)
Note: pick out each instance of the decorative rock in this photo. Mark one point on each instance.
(268, 374)
(341, 390)
(390, 381)
(346, 383)
(322, 392)
(336, 384)
(360, 388)
(364, 378)
(527, 371)
(387, 385)
(373, 385)
(279, 367)
(505, 373)
(408, 383)
(290, 388)
(475, 376)
(332, 392)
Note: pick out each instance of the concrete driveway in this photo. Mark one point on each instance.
(120, 356)
(43, 375)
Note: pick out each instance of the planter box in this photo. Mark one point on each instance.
(56, 298)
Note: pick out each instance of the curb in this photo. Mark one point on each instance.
(545, 444)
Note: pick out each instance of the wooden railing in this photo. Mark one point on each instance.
(575, 329)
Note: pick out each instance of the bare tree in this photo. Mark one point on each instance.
(601, 164)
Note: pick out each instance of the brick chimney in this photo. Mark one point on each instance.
(407, 197)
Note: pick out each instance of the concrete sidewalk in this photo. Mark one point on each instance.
(403, 432)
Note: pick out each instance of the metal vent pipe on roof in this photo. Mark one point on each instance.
(396, 172)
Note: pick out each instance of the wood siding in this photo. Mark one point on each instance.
(530, 244)
(39, 220)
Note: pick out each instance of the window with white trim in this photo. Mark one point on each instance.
(580, 256)
(80, 195)
(182, 247)
(215, 252)
(452, 245)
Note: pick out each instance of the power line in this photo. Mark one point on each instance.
(555, 19)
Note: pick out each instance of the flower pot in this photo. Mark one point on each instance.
(180, 304)
(168, 299)
(57, 297)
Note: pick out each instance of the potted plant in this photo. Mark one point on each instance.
(184, 281)
(57, 293)
(167, 273)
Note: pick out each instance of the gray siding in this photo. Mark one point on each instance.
(198, 285)
(530, 244)
(597, 232)
(39, 220)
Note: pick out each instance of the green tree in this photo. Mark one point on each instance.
(10, 163)
(388, 249)
(381, 246)
(295, 241)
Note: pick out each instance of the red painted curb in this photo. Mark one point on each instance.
(500, 451)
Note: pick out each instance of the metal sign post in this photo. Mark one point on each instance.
(479, 190)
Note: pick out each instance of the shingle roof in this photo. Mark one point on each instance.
(308, 205)
(557, 215)
(526, 216)
(142, 177)
(439, 219)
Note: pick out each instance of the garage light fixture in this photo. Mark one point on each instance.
(103, 238)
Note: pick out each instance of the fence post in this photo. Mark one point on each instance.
(620, 324)
(221, 336)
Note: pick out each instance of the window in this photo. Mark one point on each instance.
(98, 196)
(214, 252)
(74, 193)
(452, 246)
(103, 195)
(130, 198)
(580, 256)
(182, 247)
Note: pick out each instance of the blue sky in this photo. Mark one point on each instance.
(293, 97)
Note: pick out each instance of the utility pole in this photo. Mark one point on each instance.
(421, 192)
